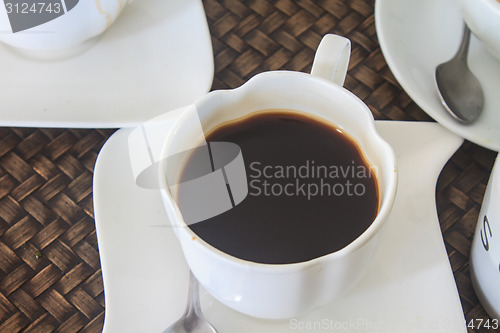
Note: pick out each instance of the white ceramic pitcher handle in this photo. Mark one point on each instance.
(332, 58)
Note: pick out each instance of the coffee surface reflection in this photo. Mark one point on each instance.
(310, 190)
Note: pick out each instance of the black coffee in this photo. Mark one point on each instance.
(310, 190)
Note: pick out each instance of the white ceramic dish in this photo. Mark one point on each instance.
(483, 19)
(157, 56)
(409, 286)
(57, 29)
(485, 250)
(416, 36)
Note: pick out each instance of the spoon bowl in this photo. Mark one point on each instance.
(460, 91)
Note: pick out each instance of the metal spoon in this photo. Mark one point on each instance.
(460, 91)
(192, 321)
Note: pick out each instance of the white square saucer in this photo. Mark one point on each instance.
(409, 286)
(156, 57)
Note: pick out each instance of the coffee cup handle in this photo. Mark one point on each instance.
(332, 58)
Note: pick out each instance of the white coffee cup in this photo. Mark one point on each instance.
(483, 19)
(285, 290)
(485, 253)
(54, 29)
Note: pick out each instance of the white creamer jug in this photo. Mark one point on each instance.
(485, 254)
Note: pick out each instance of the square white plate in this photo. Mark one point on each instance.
(156, 57)
(409, 286)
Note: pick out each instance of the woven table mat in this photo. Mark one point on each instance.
(50, 277)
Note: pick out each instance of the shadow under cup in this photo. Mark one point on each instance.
(278, 291)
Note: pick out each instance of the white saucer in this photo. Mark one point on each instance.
(408, 288)
(415, 37)
(157, 56)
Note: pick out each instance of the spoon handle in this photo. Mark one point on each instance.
(194, 293)
(463, 50)
(193, 309)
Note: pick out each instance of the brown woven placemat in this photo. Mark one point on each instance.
(50, 277)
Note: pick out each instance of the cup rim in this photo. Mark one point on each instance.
(493, 5)
(386, 201)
